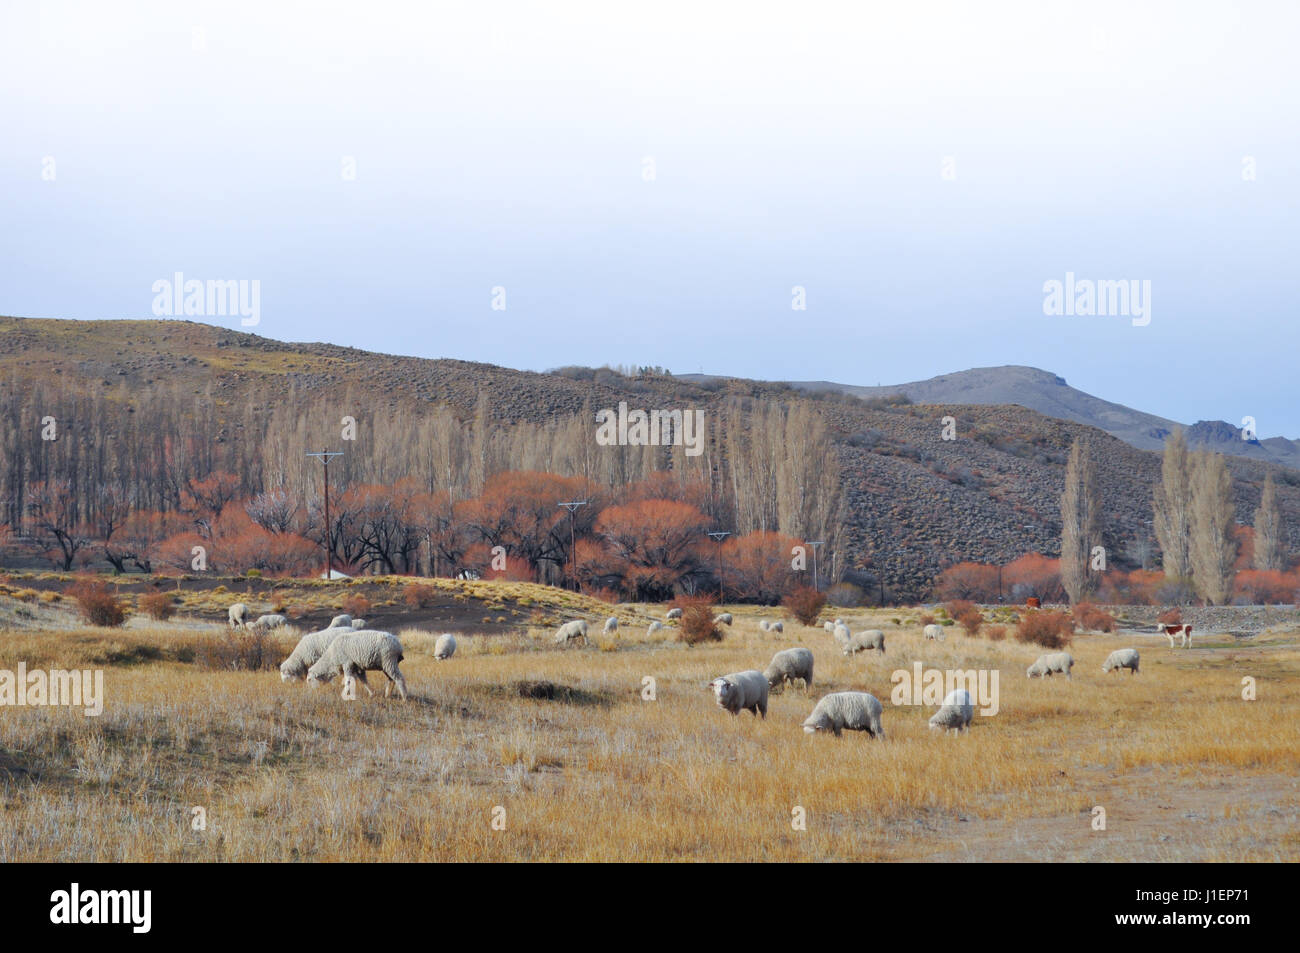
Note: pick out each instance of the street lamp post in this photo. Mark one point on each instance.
(573, 552)
(325, 456)
(718, 537)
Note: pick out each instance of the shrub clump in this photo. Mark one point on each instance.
(804, 603)
(966, 614)
(697, 623)
(996, 633)
(158, 605)
(356, 605)
(97, 603)
(1089, 616)
(1050, 629)
(419, 596)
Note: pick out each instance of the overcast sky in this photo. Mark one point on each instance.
(649, 181)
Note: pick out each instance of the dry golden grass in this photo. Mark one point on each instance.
(1185, 768)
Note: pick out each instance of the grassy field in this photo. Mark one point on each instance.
(1183, 766)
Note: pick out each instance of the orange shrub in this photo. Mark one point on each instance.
(965, 614)
(419, 596)
(1051, 630)
(697, 622)
(996, 633)
(1091, 617)
(97, 603)
(1172, 616)
(804, 603)
(356, 605)
(158, 605)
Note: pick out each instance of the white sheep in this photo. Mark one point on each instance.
(764, 625)
(956, 713)
(571, 632)
(355, 653)
(238, 615)
(870, 639)
(788, 665)
(828, 625)
(358, 624)
(341, 621)
(265, 622)
(1122, 658)
(725, 618)
(307, 653)
(611, 625)
(1051, 662)
(841, 633)
(445, 647)
(777, 626)
(741, 690)
(933, 632)
(674, 614)
(854, 711)
(653, 627)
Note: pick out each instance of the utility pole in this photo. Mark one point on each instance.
(573, 551)
(718, 537)
(814, 543)
(325, 456)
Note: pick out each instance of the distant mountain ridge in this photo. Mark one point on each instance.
(1050, 395)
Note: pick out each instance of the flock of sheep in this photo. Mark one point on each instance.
(345, 647)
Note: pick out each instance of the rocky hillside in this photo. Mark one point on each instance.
(915, 501)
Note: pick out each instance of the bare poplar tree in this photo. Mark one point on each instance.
(1213, 548)
(1080, 522)
(1269, 553)
(1173, 507)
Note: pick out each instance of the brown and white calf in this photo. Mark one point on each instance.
(1171, 631)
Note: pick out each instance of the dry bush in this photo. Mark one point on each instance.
(925, 619)
(697, 623)
(158, 605)
(356, 605)
(996, 633)
(966, 614)
(1089, 616)
(804, 603)
(1172, 616)
(97, 603)
(239, 650)
(419, 596)
(1051, 630)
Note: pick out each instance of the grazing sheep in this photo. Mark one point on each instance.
(307, 653)
(933, 632)
(789, 664)
(828, 626)
(1122, 658)
(674, 614)
(841, 633)
(764, 625)
(611, 625)
(776, 627)
(571, 632)
(1051, 662)
(358, 624)
(341, 621)
(747, 690)
(956, 712)
(355, 653)
(267, 622)
(238, 615)
(653, 627)
(725, 618)
(870, 639)
(445, 647)
(855, 711)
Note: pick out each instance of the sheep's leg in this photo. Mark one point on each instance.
(361, 676)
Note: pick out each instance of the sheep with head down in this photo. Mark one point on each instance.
(870, 639)
(1122, 658)
(611, 625)
(956, 713)
(1051, 662)
(307, 652)
(846, 711)
(353, 654)
(341, 621)
(673, 613)
(933, 632)
(237, 615)
(571, 631)
(445, 647)
(789, 665)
